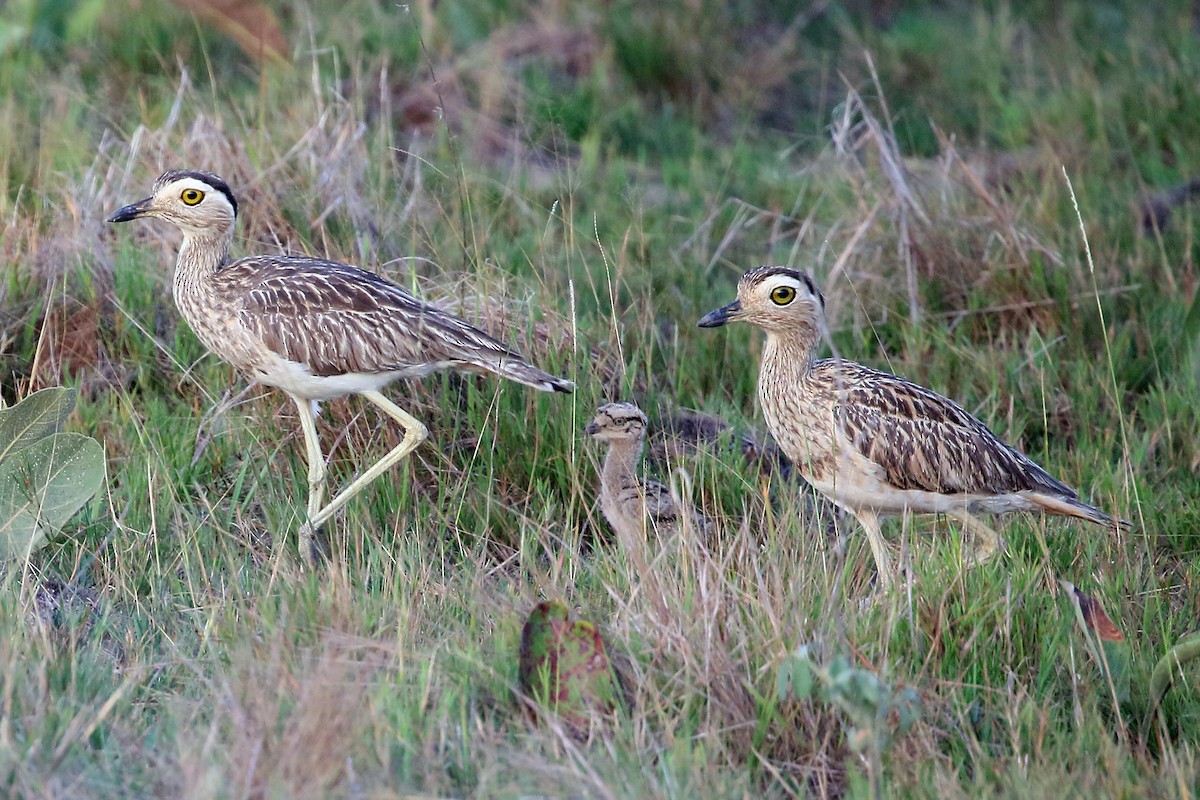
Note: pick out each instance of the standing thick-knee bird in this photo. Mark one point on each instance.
(876, 444)
(315, 329)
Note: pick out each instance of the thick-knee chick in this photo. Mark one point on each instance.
(629, 502)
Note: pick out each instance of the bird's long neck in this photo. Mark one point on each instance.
(786, 367)
(790, 353)
(620, 465)
(200, 256)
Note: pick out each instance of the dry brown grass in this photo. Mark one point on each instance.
(929, 229)
(280, 716)
(478, 96)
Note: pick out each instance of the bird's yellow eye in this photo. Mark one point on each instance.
(191, 196)
(782, 295)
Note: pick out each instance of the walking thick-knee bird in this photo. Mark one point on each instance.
(876, 444)
(315, 329)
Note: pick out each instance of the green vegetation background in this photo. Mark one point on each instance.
(586, 180)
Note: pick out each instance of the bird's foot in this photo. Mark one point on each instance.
(882, 586)
(986, 549)
(987, 542)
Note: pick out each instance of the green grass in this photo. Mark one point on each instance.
(592, 190)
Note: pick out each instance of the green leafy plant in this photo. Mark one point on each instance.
(46, 474)
(564, 667)
(877, 710)
(1108, 648)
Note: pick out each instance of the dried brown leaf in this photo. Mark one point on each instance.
(1096, 618)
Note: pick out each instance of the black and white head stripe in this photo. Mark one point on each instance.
(215, 181)
(622, 414)
(759, 274)
(617, 420)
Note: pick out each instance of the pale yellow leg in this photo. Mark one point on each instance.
(987, 541)
(883, 563)
(316, 477)
(414, 434)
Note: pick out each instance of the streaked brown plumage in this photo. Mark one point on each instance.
(874, 443)
(632, 504)
(316, 329)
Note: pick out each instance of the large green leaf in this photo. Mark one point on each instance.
(36, 417)
(42, 486)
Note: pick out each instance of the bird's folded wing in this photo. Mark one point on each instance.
(927, 442)
(337, 318)
(660, 506)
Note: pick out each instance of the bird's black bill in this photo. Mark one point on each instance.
(592, 429)
(715, 319)
(132, 211)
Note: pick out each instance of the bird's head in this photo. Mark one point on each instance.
(199, 203)
(617, 421)
(780, 300)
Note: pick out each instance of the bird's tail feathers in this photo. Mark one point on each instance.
(523, 372)
(1070, 507)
